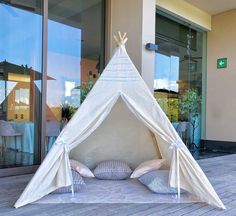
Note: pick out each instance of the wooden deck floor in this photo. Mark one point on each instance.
(221, 171)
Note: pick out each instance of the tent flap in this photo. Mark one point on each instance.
(54, 172)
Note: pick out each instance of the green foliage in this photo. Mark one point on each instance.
(67, 111)
(170, 107)
(190, 103)
(85, 88)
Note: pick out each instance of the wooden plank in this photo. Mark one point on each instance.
(220, 171)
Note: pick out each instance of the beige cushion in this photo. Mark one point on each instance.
(81, 169)
(147, 166)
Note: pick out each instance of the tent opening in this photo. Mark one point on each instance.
(120, 137)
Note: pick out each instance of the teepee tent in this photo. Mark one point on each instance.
(120, 90)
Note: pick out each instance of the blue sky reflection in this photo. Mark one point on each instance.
(21, 44)
(166, 72)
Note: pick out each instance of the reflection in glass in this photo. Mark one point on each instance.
(74, 50)
(20, 79)
(178, 77)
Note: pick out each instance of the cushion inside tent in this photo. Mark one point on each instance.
(120, 137)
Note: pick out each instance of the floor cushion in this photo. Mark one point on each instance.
(147, 166)
(112, 170)
(78, 184)
(157, 181)
(83, 170)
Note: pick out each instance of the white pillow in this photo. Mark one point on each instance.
(81, 169)
(147, 166)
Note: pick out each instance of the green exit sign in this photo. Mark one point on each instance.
(222, 63)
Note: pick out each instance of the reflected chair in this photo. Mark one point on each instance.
(6, 130)
(52, 130)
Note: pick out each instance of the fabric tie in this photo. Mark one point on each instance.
(61, 141)
(176, 144)
(174, 148)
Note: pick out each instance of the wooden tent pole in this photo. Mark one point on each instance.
(154, 141)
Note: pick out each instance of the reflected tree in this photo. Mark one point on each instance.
(190, 106)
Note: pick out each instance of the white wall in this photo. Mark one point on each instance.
(221, 83)
(137, 18)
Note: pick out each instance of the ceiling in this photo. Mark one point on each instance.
(214, 6)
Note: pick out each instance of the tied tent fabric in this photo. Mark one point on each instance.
(120, 80)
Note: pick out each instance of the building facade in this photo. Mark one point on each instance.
(52, 53)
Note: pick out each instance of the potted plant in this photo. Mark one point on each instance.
(86, 87)
(67, 111)
(190, 105)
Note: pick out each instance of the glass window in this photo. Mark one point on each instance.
(178, 77)
(74, 59)
(20, 82)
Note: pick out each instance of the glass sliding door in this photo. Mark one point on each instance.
(75, 29)
(178, 77)
(20, 82)
(69, 58)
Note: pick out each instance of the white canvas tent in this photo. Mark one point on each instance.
(121, 91)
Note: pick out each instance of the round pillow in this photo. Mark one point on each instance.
(112, 170)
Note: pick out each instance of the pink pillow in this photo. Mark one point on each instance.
(146, 167)
(81, 169)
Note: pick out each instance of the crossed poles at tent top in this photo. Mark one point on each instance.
(121, 39)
